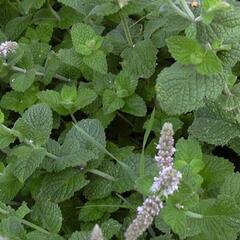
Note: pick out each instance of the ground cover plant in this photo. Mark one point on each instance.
(119, 120)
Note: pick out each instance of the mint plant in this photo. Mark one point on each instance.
(91, 91)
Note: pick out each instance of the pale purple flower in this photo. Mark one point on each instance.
(146, 213)
(96, 233)
(167, 182)
(165, 147)
(7, 47)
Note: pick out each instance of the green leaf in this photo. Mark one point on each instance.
(110, 228)
(210, 64)
(224, 25)
(67, 155)
(35, 125)
(124, 180)
(97, 62)
(231, 186)
(94, 209)
(83, 235)
(219, 218)
(27, 5)
(69, 93)
(49, 214)
(36, 235)
(211, 7)
(85, 97)
(126, 84)
(16, 26)
(6, 138)
(52, 98)
(214, 125)
(180, 89)
(141, 59)
(25, 160)
(85, 40)
(12, 228)
(111, 102)
(230, 57)
(176, 218)
(44, 31)
(212, 181)
(61, 186)
(23, 210)
(135, 105)
(92, 128)
(9, 186)
(69, 100)
(188, 152)
(18, 101)
(185, 50)
(144, 184)
(70, 57)
(148, 125)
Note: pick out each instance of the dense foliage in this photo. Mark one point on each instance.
(86, 86)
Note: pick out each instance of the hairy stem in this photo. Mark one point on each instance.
(102, 174)
(53, 156)
(187, 10)
(22, 70)
(126, 30)
(193, 215)
(179, 11)
(27, 223)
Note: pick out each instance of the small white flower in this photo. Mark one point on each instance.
(7, 47)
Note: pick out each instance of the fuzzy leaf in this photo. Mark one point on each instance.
(185, 50)
(213, 125)
(25, 161)
(49, 214)
(61, 186)
(9, 186)
(141, 59)
(212, 181)
(181, 89)
(85, 40)
(20, 82)
(126, 84)
(111, 102)
(35, 124)
(97, 62)
(135, 105)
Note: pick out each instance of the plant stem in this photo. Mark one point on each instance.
(73, 118)
(227, 91)
(54, 13)
(188, 10)
(102, 174)
(125, 119)
(34, 226)
(151, 231)
(27, 223)
(22, 70)
(53, 156)
(126, 30)
(102, 148)
(179, 11)
(193, 215)
(106, 205)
